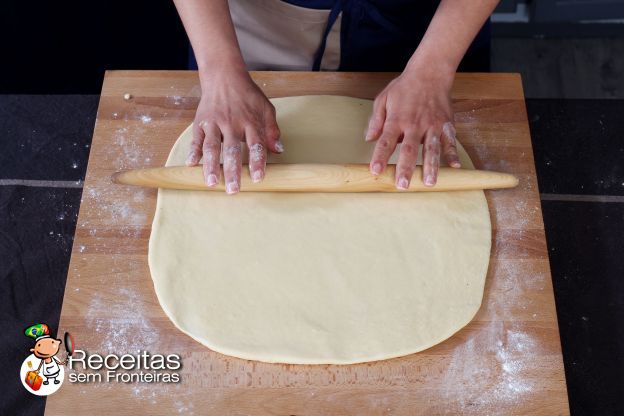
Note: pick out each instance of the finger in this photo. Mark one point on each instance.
(383, 149)
(232, 161)
(408, 156)
(431, 157)
(195, 151)
(211, 150)
(271, 133)
(377, 119)
(449, 145)
(257, 155)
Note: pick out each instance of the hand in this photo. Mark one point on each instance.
(232, 109)
(415, 108)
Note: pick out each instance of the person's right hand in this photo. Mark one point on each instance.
(232, 109)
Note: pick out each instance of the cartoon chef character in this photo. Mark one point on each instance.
(45, 349)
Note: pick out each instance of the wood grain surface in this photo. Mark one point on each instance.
(506, 361)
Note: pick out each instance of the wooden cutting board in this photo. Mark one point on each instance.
(506, 361)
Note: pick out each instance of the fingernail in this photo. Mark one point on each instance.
(212, 180)
(376, 169)
(279, 146)
(256, 176)
(402, 183)
(231, 188)
(455, 164)
(429, 181)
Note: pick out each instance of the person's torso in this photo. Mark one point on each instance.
(349, 35)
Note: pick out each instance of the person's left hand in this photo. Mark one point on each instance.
(414, 109)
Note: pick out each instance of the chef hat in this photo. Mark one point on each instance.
(38, 331)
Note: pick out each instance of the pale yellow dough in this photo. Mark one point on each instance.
(319, 278)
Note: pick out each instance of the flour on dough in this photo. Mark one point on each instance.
(319, 278)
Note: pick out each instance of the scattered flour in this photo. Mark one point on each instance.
(182, 407)
(125, 328)
(517, 216)
(494, 365)
(176, 100)
(496, 357)
(120, 207)
(119, 316)
(129, 152)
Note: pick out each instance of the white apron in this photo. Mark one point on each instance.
(275, 35)
(51, 368)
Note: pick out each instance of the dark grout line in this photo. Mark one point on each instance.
(582, 198)
(41, 184)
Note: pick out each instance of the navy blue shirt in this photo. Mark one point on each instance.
(313, 4)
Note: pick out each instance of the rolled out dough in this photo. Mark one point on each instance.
(319, 278)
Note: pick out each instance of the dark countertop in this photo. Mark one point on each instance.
(578, 146)
(579, 154)
(44, 145)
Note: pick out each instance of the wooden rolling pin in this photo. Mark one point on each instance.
(317, 178)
